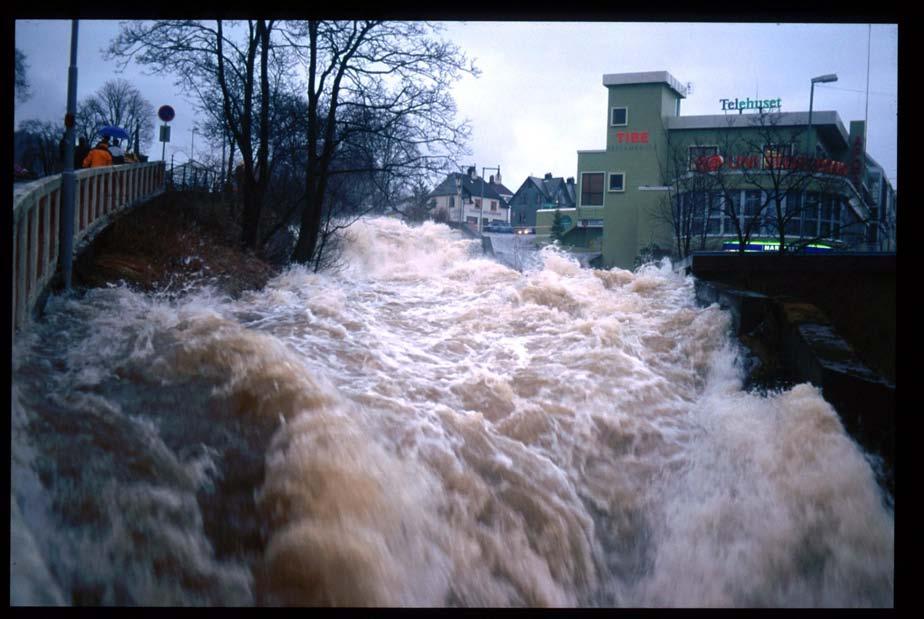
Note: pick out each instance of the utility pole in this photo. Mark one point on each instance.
(68, 179)
(192, 144)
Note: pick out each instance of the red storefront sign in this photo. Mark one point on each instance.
(711, 163)
(632, 137)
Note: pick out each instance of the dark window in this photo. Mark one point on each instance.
(732, 208)
(810, 215)
(827, 212)
(592, 189)
(752, 211)
(714, 225)
(793, 212)
(617, 181)
(836, 229)
(452, 201)
(619, 116)
(696, 202)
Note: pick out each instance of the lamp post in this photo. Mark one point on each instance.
(821, 79)
(68, 180)
(481, 210)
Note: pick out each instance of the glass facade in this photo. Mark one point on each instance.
(806, 215)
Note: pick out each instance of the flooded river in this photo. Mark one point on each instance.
(427, 427)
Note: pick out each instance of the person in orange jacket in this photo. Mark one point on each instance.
(99, 155)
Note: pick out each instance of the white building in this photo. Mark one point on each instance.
(460, 197)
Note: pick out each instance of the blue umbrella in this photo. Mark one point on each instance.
(114, 132)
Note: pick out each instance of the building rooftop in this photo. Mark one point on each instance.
(828, 123)
(471, 187)
(645, 77)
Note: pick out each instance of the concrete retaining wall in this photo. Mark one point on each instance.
(795, 341)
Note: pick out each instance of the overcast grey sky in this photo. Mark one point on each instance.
(540, 98)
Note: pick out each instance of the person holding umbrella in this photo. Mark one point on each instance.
(118, 155)
(99, 155)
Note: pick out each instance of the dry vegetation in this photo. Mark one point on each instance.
(172, 244)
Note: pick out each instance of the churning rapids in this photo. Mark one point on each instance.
(427, 427)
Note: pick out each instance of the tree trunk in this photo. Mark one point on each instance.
(310, 229)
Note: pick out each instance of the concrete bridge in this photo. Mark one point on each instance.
(99, 195)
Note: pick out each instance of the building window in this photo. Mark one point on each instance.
(873, 229)
(478, 203)
(837, 230)
(493, 205)
(700, 155)
(617, 181)
(452, 201)
(752, 204)
(810, 215)
(696, 203)
(619, 117)
(732, 208)
(714, 223)
(827, 210)
(774, 154)
(592, 189)
(874, 186)
(793, 213)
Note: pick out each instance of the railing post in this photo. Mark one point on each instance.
(31, 218)
(14, 279)
(42, 248)
(55, 223)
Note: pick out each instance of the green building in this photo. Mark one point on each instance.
(669, 184)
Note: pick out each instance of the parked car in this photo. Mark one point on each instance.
(503, 228)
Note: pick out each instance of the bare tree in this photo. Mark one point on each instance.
(43, 154)
(21, 84)
(232, 59)
(418, 205)
(690, 197)
(120, 104)
(371, 77)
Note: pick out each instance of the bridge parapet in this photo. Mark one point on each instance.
(99, 193)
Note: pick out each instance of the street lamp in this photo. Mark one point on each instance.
(821, 79)
(68, 180)
(481, 210)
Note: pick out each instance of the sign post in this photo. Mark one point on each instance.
(166, 114)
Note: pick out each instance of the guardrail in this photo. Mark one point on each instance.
(98, 194)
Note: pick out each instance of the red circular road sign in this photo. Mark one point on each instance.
(166, 113)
